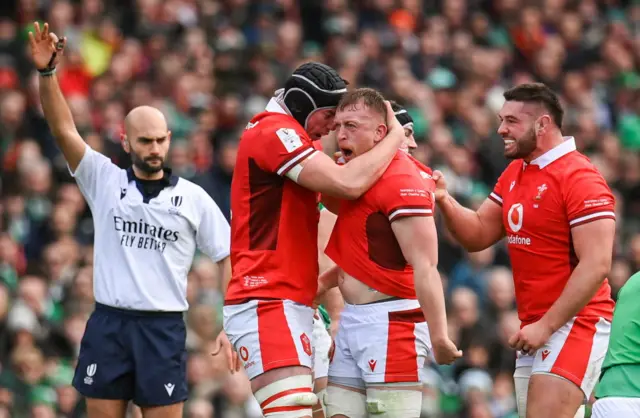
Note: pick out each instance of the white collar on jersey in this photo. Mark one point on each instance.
(276, 104)
(567, 146)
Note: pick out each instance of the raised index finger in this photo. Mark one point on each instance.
(32, 40)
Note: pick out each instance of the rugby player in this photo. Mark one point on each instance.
(405, 119)
(553, 205)
(268, 312)
(618, 392)
(385, 248)
(148, 224)
(326, 319)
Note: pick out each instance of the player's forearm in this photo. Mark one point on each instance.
(55, 108)
(362, 172)
(329, 279)
(464, 224)
(583, 284)
(430, 294)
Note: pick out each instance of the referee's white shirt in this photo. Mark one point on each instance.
(143, 251)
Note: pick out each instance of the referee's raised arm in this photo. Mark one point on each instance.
(46, 49)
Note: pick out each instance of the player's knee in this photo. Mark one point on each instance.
(394, 400)
(521, 383)
(291, 397)
(341, 401)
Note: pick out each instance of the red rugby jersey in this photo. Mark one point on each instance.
(362, 242)
(541, 202)
(274, 221)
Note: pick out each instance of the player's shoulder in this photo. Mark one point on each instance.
(403, 169)
(577, 162)
(274, 124)
(195, 192)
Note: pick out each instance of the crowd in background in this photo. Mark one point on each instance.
(209, 65)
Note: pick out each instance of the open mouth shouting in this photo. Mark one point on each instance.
(347, 153)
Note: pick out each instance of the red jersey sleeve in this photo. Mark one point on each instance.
(404, 195)
(283, 149)
(588, 197)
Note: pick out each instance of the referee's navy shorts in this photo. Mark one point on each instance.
(133, 355)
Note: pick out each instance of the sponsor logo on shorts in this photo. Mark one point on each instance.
(306, 343)
(91, 371)
(372, 364)
(244, 353)
(545, 354)
(169, 387)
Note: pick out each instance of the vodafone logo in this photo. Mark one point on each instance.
(515, 217)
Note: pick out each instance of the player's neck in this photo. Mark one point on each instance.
(147, 176)
(545, 144)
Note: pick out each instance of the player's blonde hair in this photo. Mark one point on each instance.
(368, 97)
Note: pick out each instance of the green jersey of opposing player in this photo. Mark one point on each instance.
(620, 375)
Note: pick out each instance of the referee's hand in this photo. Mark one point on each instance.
(225, 348)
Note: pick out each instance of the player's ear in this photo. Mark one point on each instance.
(542, 124)
(381, 132)
(125, 143)
(169, 135)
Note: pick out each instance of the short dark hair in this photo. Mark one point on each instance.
(537, 93)
(370, 98)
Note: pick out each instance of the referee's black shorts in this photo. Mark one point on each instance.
(133, 355)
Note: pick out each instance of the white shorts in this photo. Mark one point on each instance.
(575, 352)
(615, 407)
(321, 345)
(384, 342)
(269, 334)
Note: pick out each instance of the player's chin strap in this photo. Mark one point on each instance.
(291, 397)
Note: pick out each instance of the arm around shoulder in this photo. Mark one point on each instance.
(321, 174)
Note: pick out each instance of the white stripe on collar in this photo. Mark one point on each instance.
(559, 151)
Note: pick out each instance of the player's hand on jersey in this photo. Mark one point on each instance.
(531, 337)
(225, 348)
(46, 47)
(441, 185)
(445, 351)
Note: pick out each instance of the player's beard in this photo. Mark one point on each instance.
(524, 145)
(144, 163)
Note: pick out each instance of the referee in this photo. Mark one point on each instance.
(148, 224)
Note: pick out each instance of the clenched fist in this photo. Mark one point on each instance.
(445, 351)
